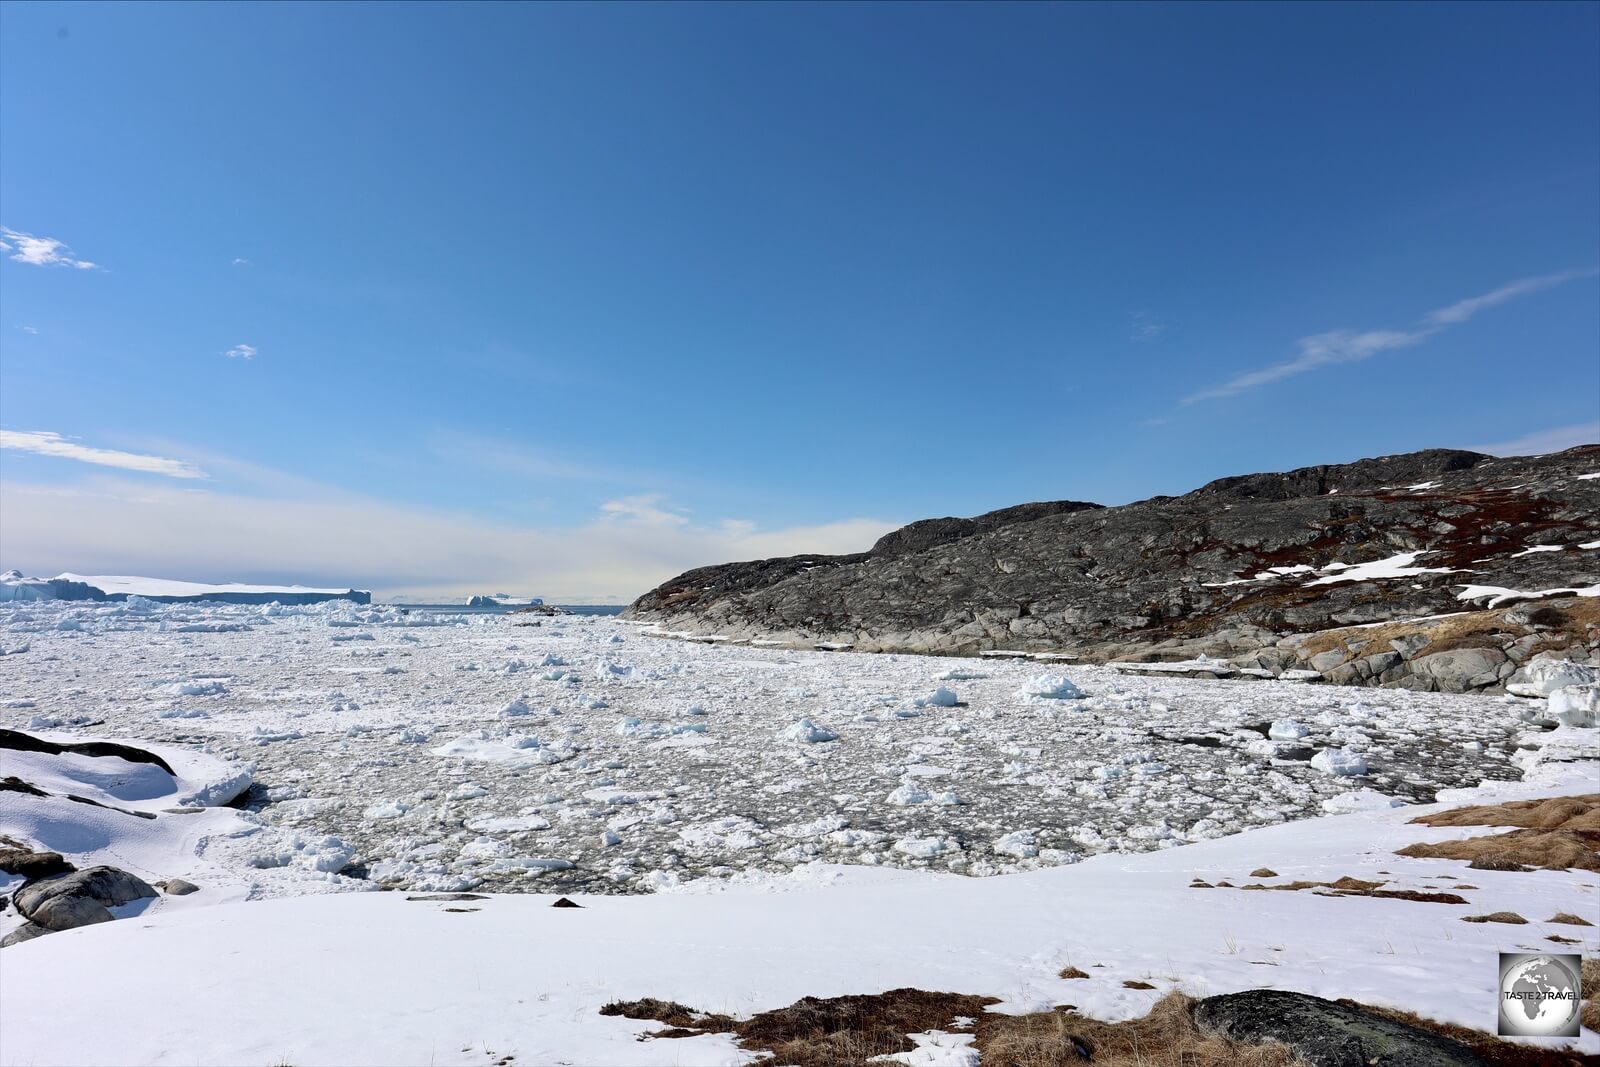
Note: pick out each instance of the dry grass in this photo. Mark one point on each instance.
(1355, 887)
(1580, 812)
(1589, 980)
(1574, 920)
(830, 1031)
(1263, 872)
(851, 1031)
(1490, 1049)
(1562, 623)
(1515, 850)
(1510, 918)
(1165, 1037)
(1072, 972)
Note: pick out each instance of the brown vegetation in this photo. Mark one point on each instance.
(1518, 850)
(1355, 887)
(1559, 626)
(1581, 812)
(1490, 1049)
(1573, 920)
(1510, 918)
(1165, 1037)
(850, 1031)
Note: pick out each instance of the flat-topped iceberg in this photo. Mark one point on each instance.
(14, 586)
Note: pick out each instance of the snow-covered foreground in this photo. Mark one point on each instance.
(444, 752)
(377, 978)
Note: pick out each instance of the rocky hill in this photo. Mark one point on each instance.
(1243, 567)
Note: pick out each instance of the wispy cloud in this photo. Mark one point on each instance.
(40, 251)
(1350, 346)
(1555, 439)
(30, 329)
(241, 352)
(1145, 327)
(642, 510)
(45, 443)
(240, 261)
(1462, 310)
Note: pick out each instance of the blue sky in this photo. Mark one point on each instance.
(562, 299)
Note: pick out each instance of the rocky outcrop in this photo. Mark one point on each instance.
(1229, 570)
(81, 898)
(1328, 1033)
(1456, 653)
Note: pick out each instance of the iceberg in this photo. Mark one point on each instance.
(14, 586)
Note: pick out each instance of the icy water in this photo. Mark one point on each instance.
(439, 749)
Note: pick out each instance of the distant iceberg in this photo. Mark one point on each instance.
(504, 600)
(14, 586)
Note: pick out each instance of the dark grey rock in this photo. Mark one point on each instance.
(1409, 645)
(1462, 669)
(25, 932)
(31, 865)
(80, 898)
(1172, 577)
(1329, 1034)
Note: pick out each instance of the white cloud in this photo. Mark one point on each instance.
(45, 443)
(31, 329)
(1462, 310)
(240, 261)
(40, 251)
(641, 510)
(241, 352)
(201, 533)
(1319, 350)
(1349, 346)
(1556, 439)
(1146, 327)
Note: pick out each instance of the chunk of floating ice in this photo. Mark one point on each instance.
(392, 809)
(939, 698)
(809, 733)
(1360, 800)
(907, 795)
(1576, 705)
(1341, 762)
(208, 687)
(1048, 687)
(925, 847)
(1018, 843)
(961, 674)
(1287, 730)
(513, 709)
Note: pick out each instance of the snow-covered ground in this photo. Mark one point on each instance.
(797, 824)
(377, 978)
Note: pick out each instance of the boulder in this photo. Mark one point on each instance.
(81, 898)
(1327, 1033)
(25, 932)
(1461, 670)
(32, 865)
(177, 887)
